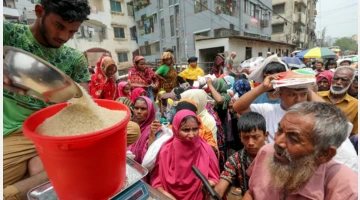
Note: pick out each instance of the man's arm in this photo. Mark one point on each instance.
(247, 196)
(312, 96)
(243, 103)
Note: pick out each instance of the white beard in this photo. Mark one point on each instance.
(343, 91)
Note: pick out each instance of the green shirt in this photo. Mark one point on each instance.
(71, 61)
(163, 70)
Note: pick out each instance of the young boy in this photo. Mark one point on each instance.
(253, 134)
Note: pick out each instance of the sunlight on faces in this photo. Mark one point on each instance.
(294, 161)
(189, 128)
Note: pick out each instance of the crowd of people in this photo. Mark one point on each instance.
(247, 138)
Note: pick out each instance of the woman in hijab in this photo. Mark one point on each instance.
(241, 86)
(124, 89)
(137, 93)
(218, 65)
(144, 115)
(103, 83)
(172, 174)
(141, 76)
(191, 73)
(167, 73)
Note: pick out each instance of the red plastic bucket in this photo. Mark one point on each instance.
(89, 166)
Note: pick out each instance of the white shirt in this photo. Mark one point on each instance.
(273, 113)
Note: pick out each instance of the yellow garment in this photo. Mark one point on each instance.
(191, 73)
(169, 101)
(348, 104)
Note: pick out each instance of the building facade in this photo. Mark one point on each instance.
(293, 22)
(174, 24)
(10, 13)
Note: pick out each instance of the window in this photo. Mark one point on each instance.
(278, 28)
(200, 5)
(122, 57)
(160, 4)
(172, 25)
(130, 9)
(119, 32)
(162, 24)
(278, 9)
(252, 10)
(260, 54)
(245, 5)
(171, 2)
(133, 33)
(115, 6)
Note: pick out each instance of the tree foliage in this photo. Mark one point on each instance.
(346, 43)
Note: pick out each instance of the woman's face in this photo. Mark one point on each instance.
(126, 89)
(110, 71)
(189, 129)
(141, 65)
(140, 111)
(168, 61)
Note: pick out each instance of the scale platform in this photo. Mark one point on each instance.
(133, 188)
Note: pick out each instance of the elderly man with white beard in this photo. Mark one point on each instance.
(337, 95)
(299, 165)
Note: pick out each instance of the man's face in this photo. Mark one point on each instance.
(193, 64)
(56, 31)
(233, 56)
(253, 141)
(323, 85)
(345, 63)
(341, 81)
(294, 160)
(290, 97)
(353, 90)
(319, 67)
(333, 66)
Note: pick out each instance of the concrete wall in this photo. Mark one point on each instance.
(108, 20)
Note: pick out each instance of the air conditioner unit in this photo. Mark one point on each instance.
(264, 23)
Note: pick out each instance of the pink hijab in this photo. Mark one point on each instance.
(136, 93)
(121, 86)
(139, 147)
(172, 169)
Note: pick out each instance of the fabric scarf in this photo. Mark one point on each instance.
(220, 136)
(245, 164)
(218, 63)
(241, 87)
(147, 76)
(191, 73)
(172, 169)
(326, 74)
(139, 147)
(121, 86)
(102, 87)
(199, 96)
(136, 93)
(221, 87)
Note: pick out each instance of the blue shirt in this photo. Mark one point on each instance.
(265, 99)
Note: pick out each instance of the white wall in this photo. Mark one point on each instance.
(206, 44)
(107, 20)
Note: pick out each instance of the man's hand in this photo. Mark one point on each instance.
(206, 192)
(267, 85)
(8, 85)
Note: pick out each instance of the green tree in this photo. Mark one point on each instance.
(346, 43)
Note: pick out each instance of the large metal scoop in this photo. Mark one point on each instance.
(41, 79)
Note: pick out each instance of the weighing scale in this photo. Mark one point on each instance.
(133, 189)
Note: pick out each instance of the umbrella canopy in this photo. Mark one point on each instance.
(293, 62)
(317, 52)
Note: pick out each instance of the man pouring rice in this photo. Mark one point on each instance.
(57, 21)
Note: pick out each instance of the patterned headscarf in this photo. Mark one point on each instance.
(147, 75)
(221, 87)
(165, 56)
(241, 87)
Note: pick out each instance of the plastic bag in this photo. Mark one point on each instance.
(153, 150)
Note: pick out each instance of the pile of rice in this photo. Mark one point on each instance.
(81, 116)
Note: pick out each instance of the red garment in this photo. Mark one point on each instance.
(172, 169)
(136, 93)
(121, 86)
(325, 74)
(138, 78)
(102, 87)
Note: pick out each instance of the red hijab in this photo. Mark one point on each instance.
(102, 87)
(139, 147)
(136, 93)
(172, 169)
(121, 86)
(325, 74)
